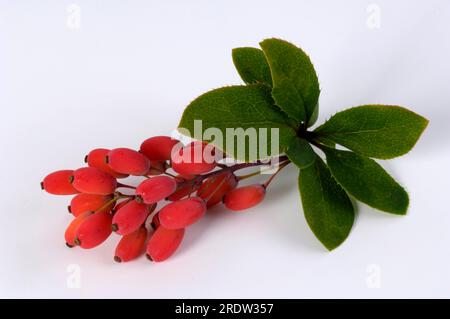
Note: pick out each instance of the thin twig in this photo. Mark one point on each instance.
(283, 165)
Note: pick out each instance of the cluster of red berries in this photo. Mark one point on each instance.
(189, 178)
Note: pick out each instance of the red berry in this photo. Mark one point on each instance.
(158, 148)
(91, 180)
(71, 230)
(131, 246)
(156, 188)
(128, 161)
(244, 197)
(97, 158)
(194, 159)
(214, 189)
(59, 183)
(164, 243)
(182, 213)
(94, 230)
(82, 203)
(130, 217)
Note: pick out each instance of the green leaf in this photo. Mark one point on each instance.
(314, 116)
(296, 87)
(367, 181)
(328, 210)
(252, 65)
(301, 153)
(378, 131)
(249, 109)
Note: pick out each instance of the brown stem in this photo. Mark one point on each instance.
(113, 200)
(241, 166)
(120, 185)
(283, 165)
(259, 172)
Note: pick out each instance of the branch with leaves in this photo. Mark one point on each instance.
(282, 91)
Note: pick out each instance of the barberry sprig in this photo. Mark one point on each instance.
(280, 97)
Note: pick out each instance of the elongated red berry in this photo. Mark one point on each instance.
(182, 213)
(71, 230)
(59, 183)
(94, 230)
(97, 158)
(128, 161)
(214, 189)
(194, 159)
(158, 148)
(164, 243)
(82, 203)
(130, 217)
(91, 180)
(156, 188)
(244, 197)
(131, 246)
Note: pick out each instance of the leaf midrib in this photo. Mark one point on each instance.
(384, 128)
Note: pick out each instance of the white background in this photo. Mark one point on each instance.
(127, 73)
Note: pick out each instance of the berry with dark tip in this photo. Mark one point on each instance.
(182, 213)
(71, 230)
(130, 217)
(94, 230)
(131, 246)
(244, 197)
(128, 161)
(163, 243)
(155, 189)
(91, 180)
(59, 183)
(97, 158)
